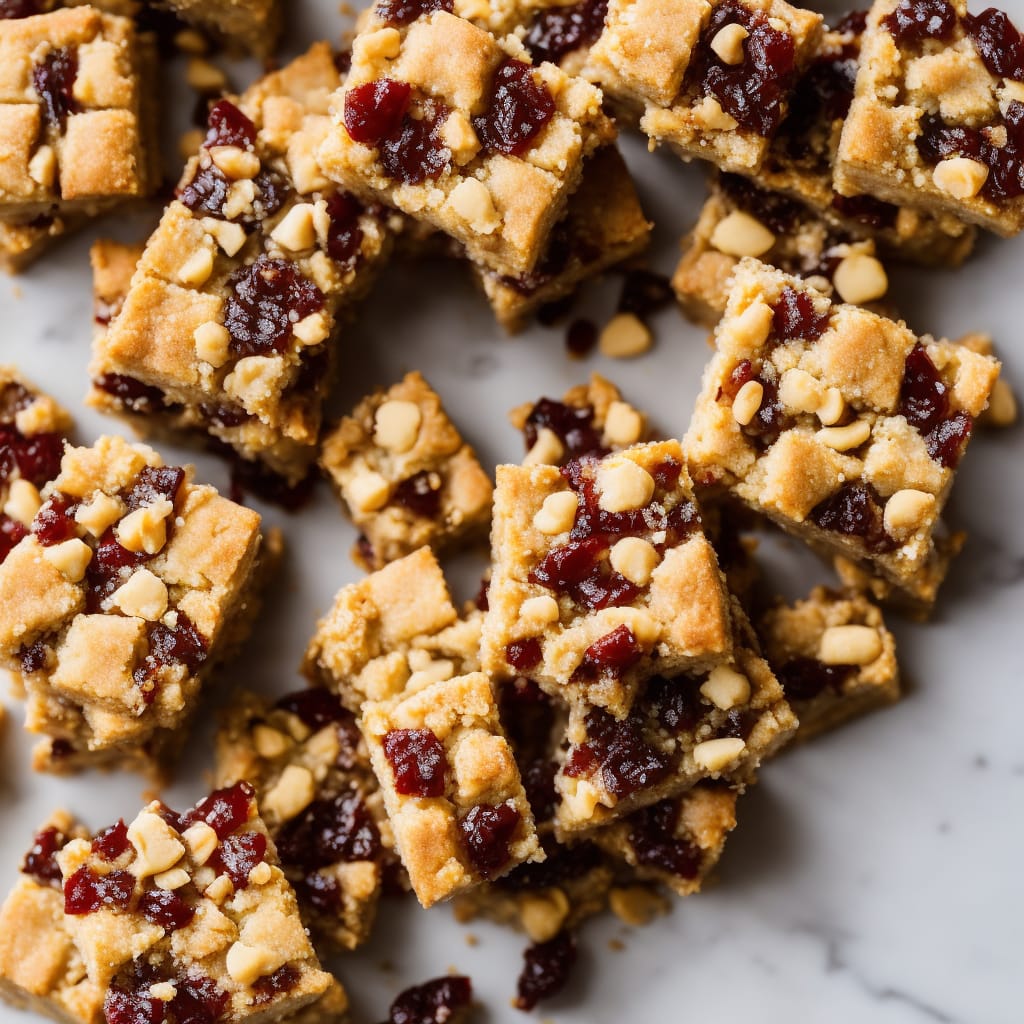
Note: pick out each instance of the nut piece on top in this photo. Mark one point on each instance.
(602, 577)
(304, 756)
(937, 120)
(405, 475)
(838, 424)
(129, 585)
(459, 130)
(834, 658)
(228, 326)
(711, 79)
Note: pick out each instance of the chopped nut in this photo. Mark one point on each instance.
(241, 196)
(292, 794)
(220, 889)
(860, 278)
(143, 595)
(543, 913)
(636, 905)
(173, 879)
(458, 135)
(70, 558)
(714, 755)
(843, 439)
(799, 391)
(23, 501)
(471, 200)
(832, 407)
(710, 114)
(396, 425)
(751, 327)
(212, 340)
(269, 743)
(557, 514)
(205, 77)
(164, 991)
(634, 558)
(623, 485)
(235, 162)
(296, 230)
(383, 44)
(623, 425)
(747, 401)
(547, 450)
(739, 234)
(961, 177)
(261, 874)
(157, 845)
(99, 514)
(906, 511)
(624, 336)
(1002, 406)
(368, 491)
(197, 269)
(245, 964)
(201, 841)
(42, 168)
(728, 43)
(145, 529)
(230, 237)
(849, 645)
(539, 611)
(725, 687)
(312, 329)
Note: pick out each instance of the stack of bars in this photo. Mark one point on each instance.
(578, 737)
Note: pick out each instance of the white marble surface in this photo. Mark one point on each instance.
(875, 875)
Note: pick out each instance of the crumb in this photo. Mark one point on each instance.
(616, 945)
(472, 940)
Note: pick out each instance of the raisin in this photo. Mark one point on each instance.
(375, 109)
(776, 211)
(546, 970)
(675, 702)
(316, 708)
(420, 494)
(655, 845)
(487, 833)
(581, 335)
(414, 152)
(807, 678)
(226, 125)
(345, 235)
(998, 42)
(913, 21)
(238, 855)
(433, 1002)
(794, 316)
(131, 393)
(166, 909)
(330, 830)
(523, 655)
(112, 842)
(557, 31)
(539, 784)
(617, 752)
(40, 862)
(518, 108)
(875, 213)
(403, 12)
(265, 300)
(855, 510)
(562, 864)
(224, 810)
(771, 418)
(644, 292)
(86, 892)
(54, 80)
(417, 760)
(572, 425)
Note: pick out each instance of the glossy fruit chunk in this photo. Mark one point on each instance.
(417, 760)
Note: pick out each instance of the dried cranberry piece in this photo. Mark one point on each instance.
(224, 810)
(271, 192)
(794, 316)
(108, 569)
(776, 211)
(166, 909)
(375, 109)
(54, 80)
(221, 414)
(86, 892)
(527, 714)
(197, 999)
(433, 1002)
(644, 292)
(563, 863)
(855, 510)
(331, 830)
(573, 425)
(557, 31)
(226, 125)
(40, 862)
(414, 151)
(523, 655)
(266, 298)
(11, 533)
(539, 784)
(417, 760)
(580, 335)
(924, 396)
(420, 494)
(875, 213)
(667, 473)
(517, 109)
(938, 141)
(546, 970)
(181, 644)
(131, 393)
(403, 12)
(152, 484)
(617, 751)
(269, 987)
(19, 9)
(345, 235)
(754, 91)
(916, 20)
(112, 842)
(853, 23)
(822, 95)
(1006, 162)
(316, 707)
(37, 458)
(55, 521)
(133, 1006)
(33, 658)
(807, 678)
(481, 600)
(771, 418)
(487, 833)
(655, 845)
(946, 442)
(206, 192)
(742, 372)
(610, 655)
(238, 855)
(676, 702)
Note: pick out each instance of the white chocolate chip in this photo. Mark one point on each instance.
(245, 963)
(799, 391)
(832, 407)
(624, 336)
(230, 237)
(197, 269)
(368, 491)
(296, 230)
(145, 529)
(634, 558)
(42, 168)
(173, 879)
(906, 511)
(843, 439)
(396, 425)
(220, 889)
(201, 841)
(860, 278)
(849, 645)
(547, 450)
(23, 501)
(157, 845)
(960, 176)
(235, 162)
(212, 340)
(747, 401)
(739, 234)
(714, 755)
(623, 425)
(471, 200)
(751, 327)
(539, 611)
(728, 43)
(99, 514)
(726, 688)
(143, 595)
(543, 913)
(623, 485)
(292, 794)
(269, 743)
(557, 514)
(70, 558)
(312, 329)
